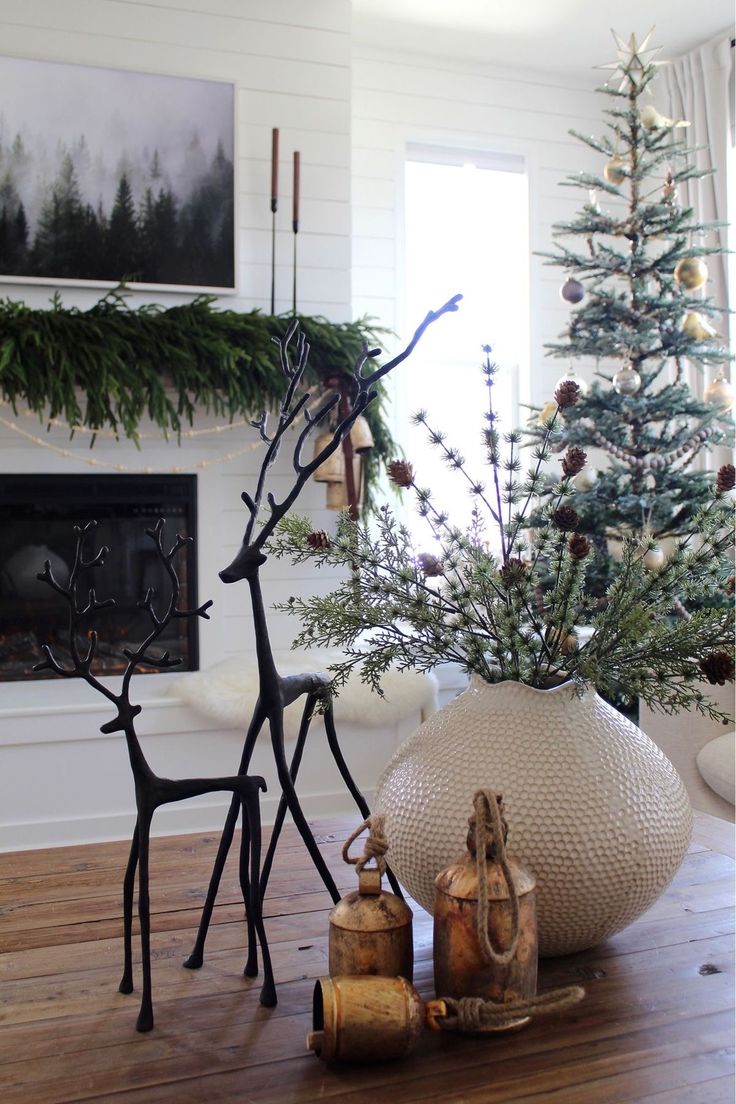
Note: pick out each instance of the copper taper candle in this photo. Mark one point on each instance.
(274, 168)
(274, 205)
(295, 220)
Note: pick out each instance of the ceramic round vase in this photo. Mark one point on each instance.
(595, 809)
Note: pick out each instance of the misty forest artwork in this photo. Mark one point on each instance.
(108, 175)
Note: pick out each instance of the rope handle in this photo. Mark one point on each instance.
(487, 808)
(375, 846)
(472, 1015)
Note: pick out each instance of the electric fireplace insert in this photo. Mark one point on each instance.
(37, 515)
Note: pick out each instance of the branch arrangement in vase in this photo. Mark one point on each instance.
(514, 614)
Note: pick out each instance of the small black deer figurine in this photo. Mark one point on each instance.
(150, 790)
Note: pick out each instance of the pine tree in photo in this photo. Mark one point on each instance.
(636, 277)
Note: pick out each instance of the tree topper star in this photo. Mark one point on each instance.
(633, 58)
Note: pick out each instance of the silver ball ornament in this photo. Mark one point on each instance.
(570, 377)
(627, 381)
(719, 393)
(653, 558)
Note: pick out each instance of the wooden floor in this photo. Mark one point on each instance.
(656, 1026)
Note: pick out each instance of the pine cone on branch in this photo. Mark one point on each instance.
(567, 394)
(726, 478)
(578, 546)
(565, 518)
(319, 540)
(401, 473)
(574, 461)
(718, 668)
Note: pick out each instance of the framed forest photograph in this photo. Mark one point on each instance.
(110, 175)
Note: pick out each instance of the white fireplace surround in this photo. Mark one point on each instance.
(61, 780)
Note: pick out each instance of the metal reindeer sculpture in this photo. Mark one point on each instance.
(275, 691)
(150, 790)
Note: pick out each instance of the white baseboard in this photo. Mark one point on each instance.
(170, 820)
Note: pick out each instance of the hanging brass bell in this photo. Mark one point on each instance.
(370, 929)
(337, 493)
(361, 437)
(485, 942)
(331, 470)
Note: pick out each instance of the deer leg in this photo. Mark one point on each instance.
(349, 781)
(251, 808)
(293, 771)
(196, 958)
(145, 1016)
(251, 965)
(276, 723)
(126, 982)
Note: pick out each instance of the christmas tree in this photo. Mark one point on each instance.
(639, 277)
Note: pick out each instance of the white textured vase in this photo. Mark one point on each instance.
(595, 809)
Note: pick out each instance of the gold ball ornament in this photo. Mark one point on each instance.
(691, 273)
(719, 393)
(627, 381)
(697, 327)
(546, 413)
(614, 169)
(585, 480)
(653, 558)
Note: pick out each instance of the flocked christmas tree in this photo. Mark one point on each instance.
(637, 280)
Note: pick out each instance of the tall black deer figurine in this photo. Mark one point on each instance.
(277, 692)
(150, 790)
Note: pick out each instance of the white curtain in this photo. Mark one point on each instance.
(699, 87)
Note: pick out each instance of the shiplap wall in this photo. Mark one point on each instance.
(399, 99)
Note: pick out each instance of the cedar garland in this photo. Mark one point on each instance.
(113, 364)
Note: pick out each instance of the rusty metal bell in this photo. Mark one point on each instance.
(485, 923)
(370, 929)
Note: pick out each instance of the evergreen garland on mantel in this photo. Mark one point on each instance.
(125, 362)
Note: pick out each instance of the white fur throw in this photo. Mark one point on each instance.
(227, 693)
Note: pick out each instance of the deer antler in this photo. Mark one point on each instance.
(365, 393)
(136, 657)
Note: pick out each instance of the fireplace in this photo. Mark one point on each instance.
(37, 514)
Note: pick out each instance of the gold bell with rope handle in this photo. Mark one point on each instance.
(370, 929)
(378, 1019)
(485, 922)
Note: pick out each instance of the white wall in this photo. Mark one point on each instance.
(399, 99)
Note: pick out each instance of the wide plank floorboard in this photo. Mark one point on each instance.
(656, 1026)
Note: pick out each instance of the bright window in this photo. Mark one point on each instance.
(466, 220)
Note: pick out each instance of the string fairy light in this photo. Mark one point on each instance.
(177, 469)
